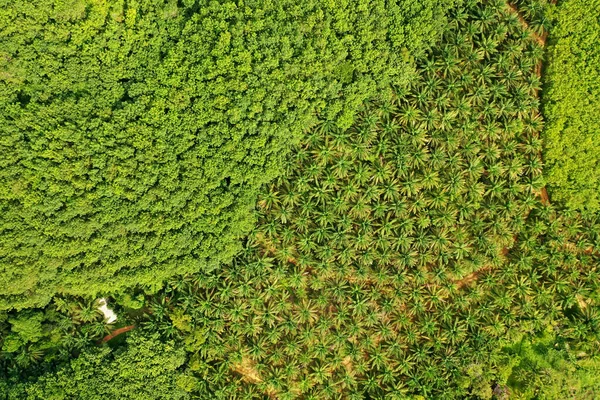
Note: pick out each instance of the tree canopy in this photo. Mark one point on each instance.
(147, 368)
(406, 247)
(572, 104)
(135, 135)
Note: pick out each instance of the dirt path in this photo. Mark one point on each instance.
(117, 332)
(544, 197)
(515, 11)
(472, 277)
(541, 40)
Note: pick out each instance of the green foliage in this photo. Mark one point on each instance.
(135, 135)
(547, 367)
(28, 325)
(33, 340)
(146, 368)
(571, 104)
(398, 257)
(134, 302)
(536, 14)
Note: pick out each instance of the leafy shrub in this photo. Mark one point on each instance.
(135, 135)
(546, 367)
(30, 339)
(28, 325)
(571, 104)
(146, 368)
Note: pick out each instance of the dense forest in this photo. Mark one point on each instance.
(352, 199)
(136, 135)
(571, 106)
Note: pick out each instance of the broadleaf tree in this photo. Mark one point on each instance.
(136, 134)
(571, 104)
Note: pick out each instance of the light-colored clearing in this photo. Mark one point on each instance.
(109, 315)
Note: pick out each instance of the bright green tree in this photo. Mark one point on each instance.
(135, 134)
(572, 104)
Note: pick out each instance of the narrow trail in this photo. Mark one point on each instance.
(541, 40)
(472, 277)
(117, 332)
(543, 193)
(515, 11)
